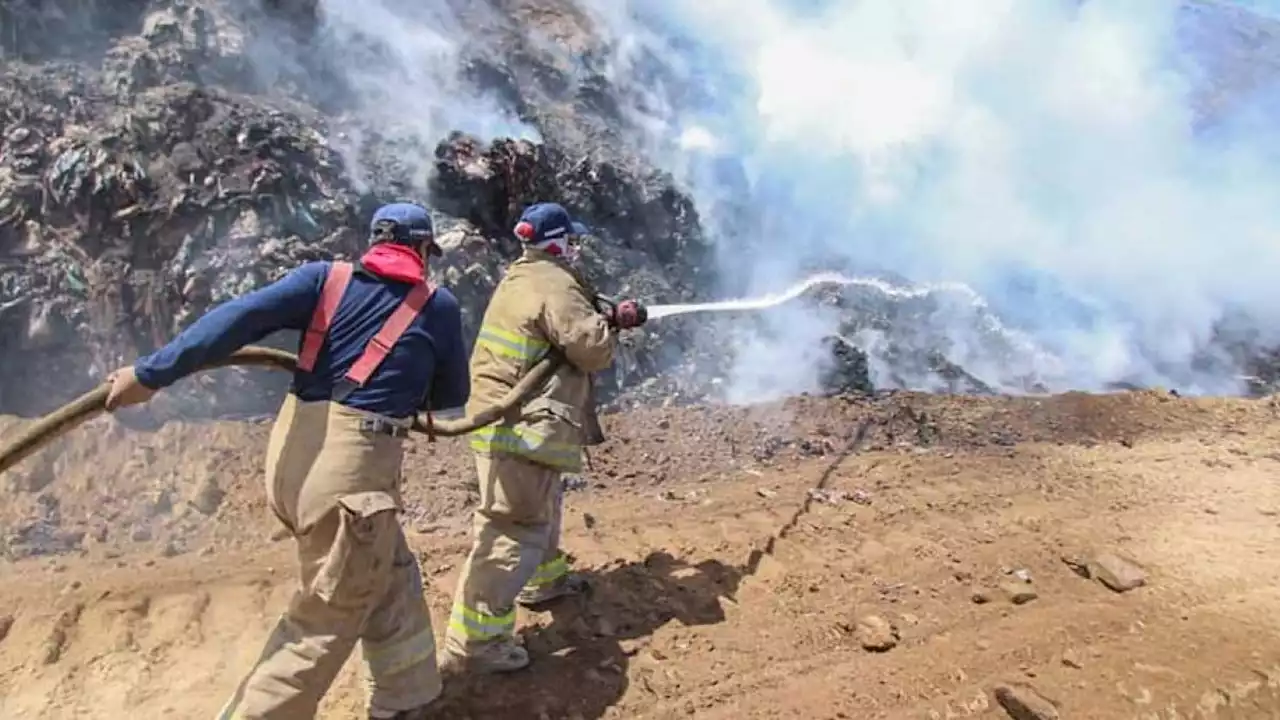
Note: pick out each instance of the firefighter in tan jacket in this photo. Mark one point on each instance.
(541, 305)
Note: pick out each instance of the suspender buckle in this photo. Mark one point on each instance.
(382, 427)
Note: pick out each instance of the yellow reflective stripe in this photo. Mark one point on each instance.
(475, 625)
(511, 344)
(400, 656)
(527, 443)
(550, 571)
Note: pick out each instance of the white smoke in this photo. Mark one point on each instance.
(404, 60)
(1050, 154)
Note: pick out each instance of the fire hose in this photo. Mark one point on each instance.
(93, 403)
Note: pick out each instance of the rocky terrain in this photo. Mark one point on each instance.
(860, 552)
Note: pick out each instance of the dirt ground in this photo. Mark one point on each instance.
(742, 561)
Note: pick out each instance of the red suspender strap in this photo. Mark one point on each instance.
(334, 286)
(378, 348)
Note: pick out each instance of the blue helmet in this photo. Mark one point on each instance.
(404, 224)
(543, 222)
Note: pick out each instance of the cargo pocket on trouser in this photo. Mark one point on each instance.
(398, 643)
(550, 433)
(357, 571)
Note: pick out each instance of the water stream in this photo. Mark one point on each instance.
(765, 302)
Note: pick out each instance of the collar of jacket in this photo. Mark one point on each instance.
(536, 255)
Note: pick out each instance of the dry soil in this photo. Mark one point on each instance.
(903, 556)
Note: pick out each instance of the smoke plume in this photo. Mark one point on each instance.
(1101, 174)
(401, 66)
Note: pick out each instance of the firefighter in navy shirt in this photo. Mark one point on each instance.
(380, 343)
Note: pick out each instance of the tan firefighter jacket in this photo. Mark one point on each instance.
(540, 304)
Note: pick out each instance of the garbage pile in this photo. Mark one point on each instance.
(137, 193)
(117, 228)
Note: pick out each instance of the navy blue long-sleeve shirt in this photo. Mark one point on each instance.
(427, 368)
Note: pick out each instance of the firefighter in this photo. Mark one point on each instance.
(541, 305)
(379, 343)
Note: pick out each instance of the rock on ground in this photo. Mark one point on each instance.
(1023, 702)
(876, 634)
(1019, 593)
(1116, 573)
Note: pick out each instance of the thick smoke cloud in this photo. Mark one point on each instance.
(1269, 8)
(1056, 157)
(401, 65)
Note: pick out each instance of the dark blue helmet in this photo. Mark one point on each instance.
(405, 224)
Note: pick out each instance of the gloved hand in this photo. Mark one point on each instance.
(126, 390)
(629, 314)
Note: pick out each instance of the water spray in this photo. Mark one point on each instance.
(967, 311)
(764, 302)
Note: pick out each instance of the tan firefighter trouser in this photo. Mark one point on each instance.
(335, 487)
(516, 543)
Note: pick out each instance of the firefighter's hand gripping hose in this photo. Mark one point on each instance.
(92, 404)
